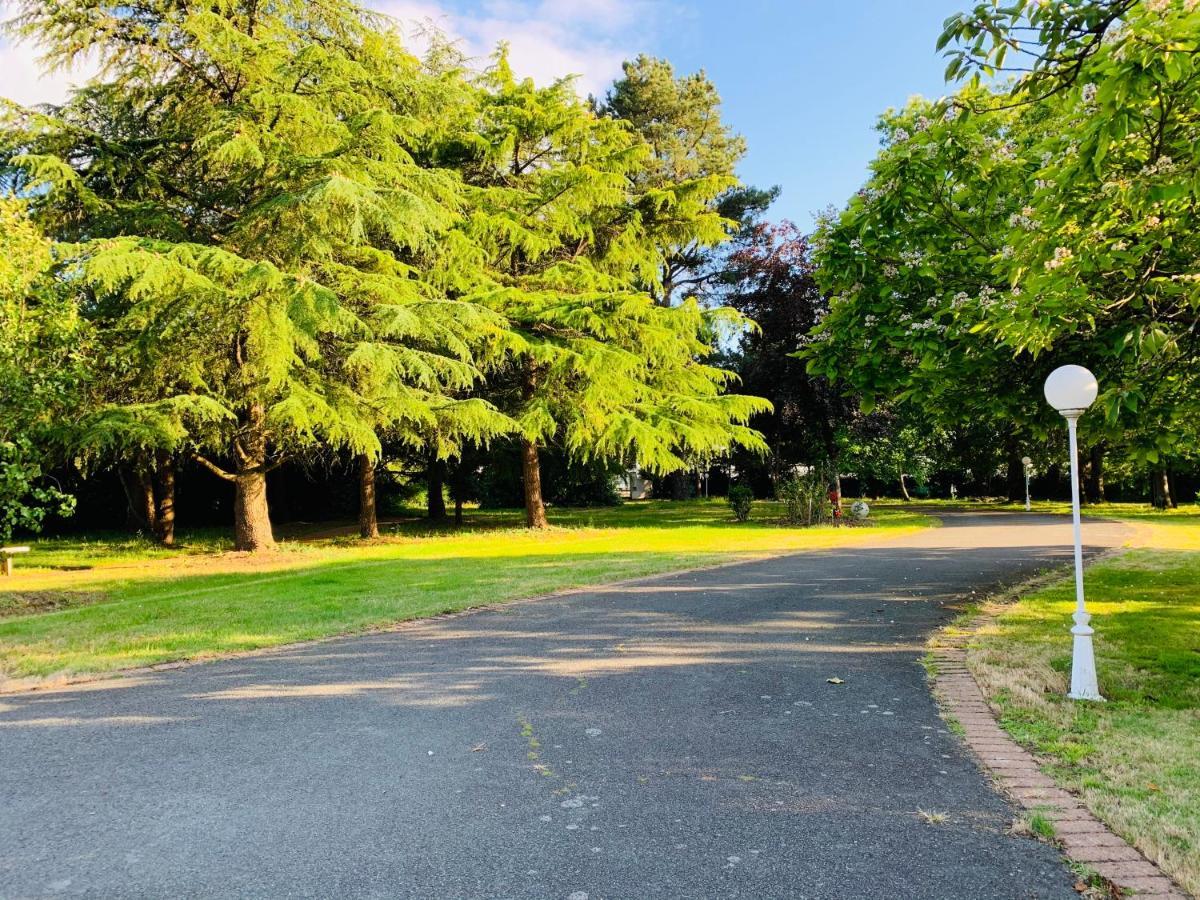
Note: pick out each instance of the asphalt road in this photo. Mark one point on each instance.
(676, 737)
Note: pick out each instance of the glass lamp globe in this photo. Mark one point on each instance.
(1026, 461)
(1071, 389)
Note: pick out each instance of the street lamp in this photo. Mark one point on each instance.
(1071, 390)
(1028, 464)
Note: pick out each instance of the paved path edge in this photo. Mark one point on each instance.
(1079, 834)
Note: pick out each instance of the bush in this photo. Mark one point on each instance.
(806, 498)
(740, 499)
(25, 498)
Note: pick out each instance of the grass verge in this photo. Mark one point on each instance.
(93, 606)
(1134, 758)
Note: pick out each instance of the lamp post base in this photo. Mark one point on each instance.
(1083, 662)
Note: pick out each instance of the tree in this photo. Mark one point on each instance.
(691, 197)
(770, 278)
(1106, 254)
(253, 225)
(41, 344)
(601, 368)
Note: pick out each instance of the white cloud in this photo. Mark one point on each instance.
(23, 79)
(548, 39)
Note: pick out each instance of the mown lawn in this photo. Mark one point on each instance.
(90, 606)
(1135, 759)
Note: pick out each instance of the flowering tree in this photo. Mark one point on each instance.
(1007, 230)
(1113, 260)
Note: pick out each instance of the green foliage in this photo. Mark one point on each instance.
(254, 233)
(740, 500)
(1006, 230)
(806, 498)
(25, 497)
(689, 191)
(286, 235)
(597, 365)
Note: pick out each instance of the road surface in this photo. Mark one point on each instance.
(673, 738)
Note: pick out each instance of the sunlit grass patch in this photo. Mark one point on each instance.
(1134, 758)
(142, 605)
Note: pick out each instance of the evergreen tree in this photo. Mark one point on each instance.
(253, 225)
(601, 368)
(691, 199)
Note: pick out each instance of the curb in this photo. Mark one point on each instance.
(1081, 836)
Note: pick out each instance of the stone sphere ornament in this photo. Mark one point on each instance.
(860, 510)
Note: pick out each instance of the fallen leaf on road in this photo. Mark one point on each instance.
(835, 680)
(479, 748)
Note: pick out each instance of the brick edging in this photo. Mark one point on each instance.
(1081, 836)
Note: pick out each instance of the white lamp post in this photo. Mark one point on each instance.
(1071, 390)
(1028, 464)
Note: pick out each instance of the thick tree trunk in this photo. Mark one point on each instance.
(368, 523)
(251, 515)
(164, 523)
(531, 468)
(138, 485)
(1160, 489)
(904, 487)
(435, 502)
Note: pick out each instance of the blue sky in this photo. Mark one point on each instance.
(802, 80)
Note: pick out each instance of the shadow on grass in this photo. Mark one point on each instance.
(175, 617)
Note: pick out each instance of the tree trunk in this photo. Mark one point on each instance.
(435, 502)
(1160, 489)
(138, 485)
(535, 508)
(904, 487)
(1014, 478)
(1095, 486)
(164, 523)
(251, 515)
(368, 524)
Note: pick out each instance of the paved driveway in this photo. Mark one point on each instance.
(672, 738)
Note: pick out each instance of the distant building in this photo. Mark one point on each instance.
(632, 486)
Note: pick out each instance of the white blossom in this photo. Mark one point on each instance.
(1061, 256)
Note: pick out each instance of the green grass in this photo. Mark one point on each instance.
(1134, 758)
(1042, 827)
(136, 605)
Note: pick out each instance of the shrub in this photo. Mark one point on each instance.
(740, 499)
(806, 498)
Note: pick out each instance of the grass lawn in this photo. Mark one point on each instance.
(1135, 759)
(90, 606)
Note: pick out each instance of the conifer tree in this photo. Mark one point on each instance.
(253, 224)
(601, 368)
(691, 198)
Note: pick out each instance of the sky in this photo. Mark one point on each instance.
(803, 80)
